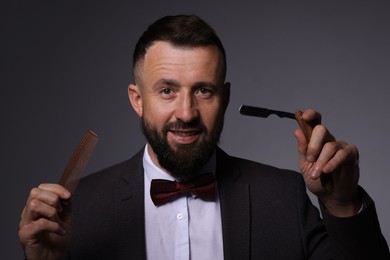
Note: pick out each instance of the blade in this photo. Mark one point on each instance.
(264, 112)
(307, 129)
(79, 160)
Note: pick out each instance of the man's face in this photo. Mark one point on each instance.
(181, 99)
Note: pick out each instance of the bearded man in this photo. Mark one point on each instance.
(182, 197)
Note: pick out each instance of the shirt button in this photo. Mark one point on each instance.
(179, 216)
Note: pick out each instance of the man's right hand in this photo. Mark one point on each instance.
(45, 225)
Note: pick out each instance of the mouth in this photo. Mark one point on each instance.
(185, 132)
(184, 136)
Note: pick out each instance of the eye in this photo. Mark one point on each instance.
(166, 91)
(204, 92)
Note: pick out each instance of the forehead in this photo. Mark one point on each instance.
(162, 57)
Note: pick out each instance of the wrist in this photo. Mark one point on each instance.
(343, 209)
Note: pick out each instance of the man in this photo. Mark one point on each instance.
(255, 212)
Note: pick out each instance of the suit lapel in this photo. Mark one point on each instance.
(130, 210)
(235, 209)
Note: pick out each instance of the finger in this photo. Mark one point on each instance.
(311, 115)
(62, 192)
(43, 201)
(45, 196)
(304, 165)
(301, 140)
(318, 139)
(347, 154)
(326, 157)
(50, 194)
(34, 229)
(37, 209)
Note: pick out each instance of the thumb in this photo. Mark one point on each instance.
(302, 145)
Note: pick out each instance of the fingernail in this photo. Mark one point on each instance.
(310, 158)
(66, 194)
(314, 172)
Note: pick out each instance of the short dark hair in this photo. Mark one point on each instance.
(180, 31)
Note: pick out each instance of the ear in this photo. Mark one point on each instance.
(226, 95)
(135, 98)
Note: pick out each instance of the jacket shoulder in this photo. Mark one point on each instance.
(246, 170)
(109, 175)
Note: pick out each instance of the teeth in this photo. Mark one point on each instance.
(184, 133)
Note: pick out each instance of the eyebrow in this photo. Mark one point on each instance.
(205, 84)
(169, 82)
(175, 83)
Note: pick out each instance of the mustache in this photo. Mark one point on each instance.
(194, 125)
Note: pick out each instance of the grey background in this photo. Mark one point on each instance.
(65, 67)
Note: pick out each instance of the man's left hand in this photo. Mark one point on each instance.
(334, 160)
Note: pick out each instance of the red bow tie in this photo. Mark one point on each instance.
(164, 191)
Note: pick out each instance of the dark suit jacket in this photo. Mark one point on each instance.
(266, 214)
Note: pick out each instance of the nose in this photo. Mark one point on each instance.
(186, 109)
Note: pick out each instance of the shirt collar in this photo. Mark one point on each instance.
(152, 171)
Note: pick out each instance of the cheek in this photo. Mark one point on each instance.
(211, 117)
(156, 115)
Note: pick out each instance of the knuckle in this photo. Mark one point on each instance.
(35, 192)
(353, 152)
(352, 148)
(52, 201)
(321, 129)
(41, 224)
(33, 205)
(51, 213)
(344, 154)
(41, 186)
(23, 234)
(331, 146)
(44, 224)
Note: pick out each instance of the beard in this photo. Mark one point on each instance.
(184, 160)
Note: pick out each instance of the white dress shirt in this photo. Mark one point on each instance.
(187, 228)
